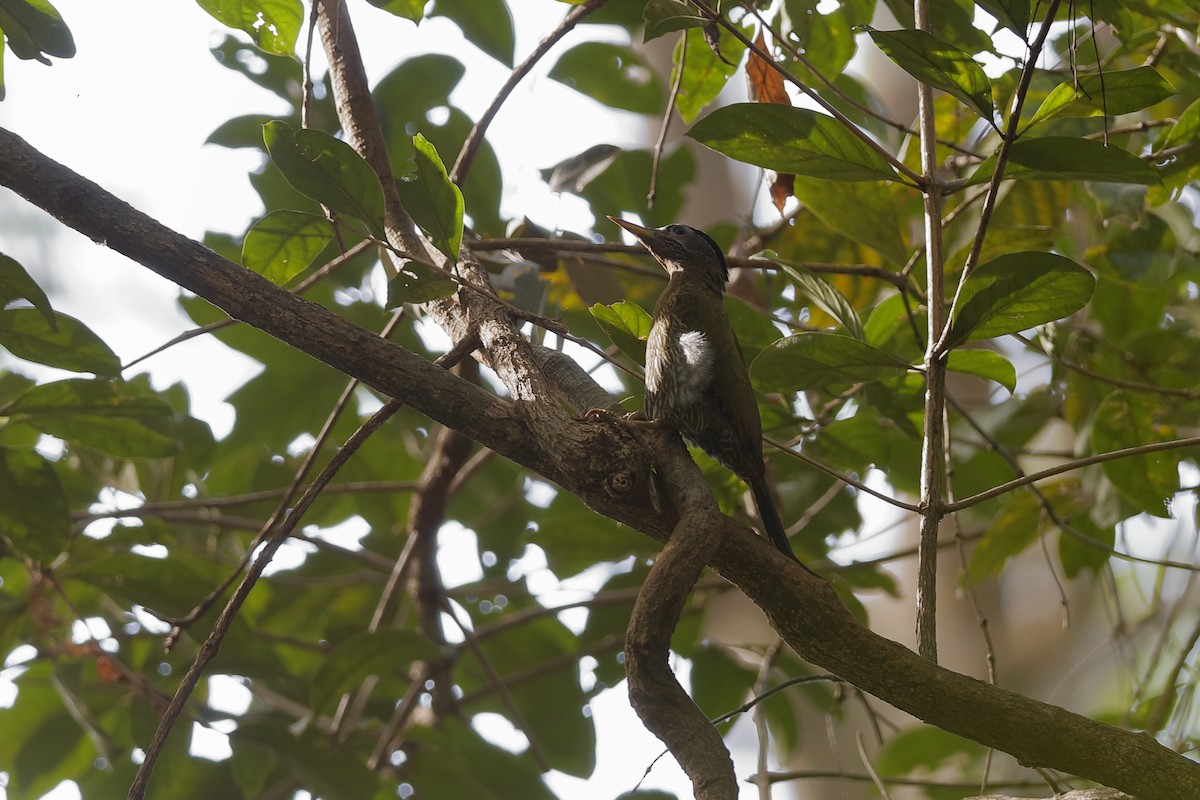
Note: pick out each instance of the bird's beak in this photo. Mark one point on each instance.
(644, 235)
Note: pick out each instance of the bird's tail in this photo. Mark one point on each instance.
(772, 524)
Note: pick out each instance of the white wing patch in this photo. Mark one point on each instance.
(698, 355)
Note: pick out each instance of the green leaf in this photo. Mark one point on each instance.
(434, 203)
(1076, 555)
(363, 654)
(1068, 158)
(925, 749)
(34, 29)
(65, 343)
(790, 140)
(487, 24)
(1012, 14)
(418, 283)
(667, 16)
(621, 189)
(821, 292)
(1016, 292)
(17, 284)
(864, 212)
(627, 324)
(1013, 530)
(102, 414)
(1128, 419)
(704, 74)
(331, 773)
(814, 360)
(283, 243)
(611, 74)
(408, 9)
(456, 762)
(886, 319)
(34, 515)
(939, 64)
(1186, 129)
(984, 364)
(718, 682)
(272, 24)
(327, 170)
(1107, 93)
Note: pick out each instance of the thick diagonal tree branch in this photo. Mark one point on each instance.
(602, 464)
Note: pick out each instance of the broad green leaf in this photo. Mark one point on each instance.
(68, 344)
(434, 203)
(622, 188)
(704, 74)
(17, 284)
(821, 292)
(1107, 93)
(487, 24)
(627, 324)
(272, 24)
(864, 212)
(1012, 14)
(408, 9)
(1068, 158)
(283, 243)
(418, 283)
(814, 360)
(667, 16)
(328, 772)
(1128, 419)
(1016, 292)
(363, 654)
(327, 170)
(1186, 129)
(34, 29)
(939, 64)
(1077, 555)
(790, 140)
(611, 74)
(890, 316)
(98, 413)
(984, 364)
(1010, 532)
(925, 749)
(34, 515)
(718, 682)
(456, 762)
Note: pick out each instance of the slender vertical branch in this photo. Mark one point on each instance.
(1002, 153)
(462, 164)
(933, 454)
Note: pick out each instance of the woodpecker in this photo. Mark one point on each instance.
(696, 378)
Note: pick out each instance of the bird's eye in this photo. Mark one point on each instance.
(678, 230)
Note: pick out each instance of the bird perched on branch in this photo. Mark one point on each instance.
(696, 379)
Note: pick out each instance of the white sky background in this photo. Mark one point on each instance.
(131, 112)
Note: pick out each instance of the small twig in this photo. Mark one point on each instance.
(862, 754)
(666, 120)
(857, 484)
(1087, 461)
(466, 155)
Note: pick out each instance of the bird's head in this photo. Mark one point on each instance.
(682, 248)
